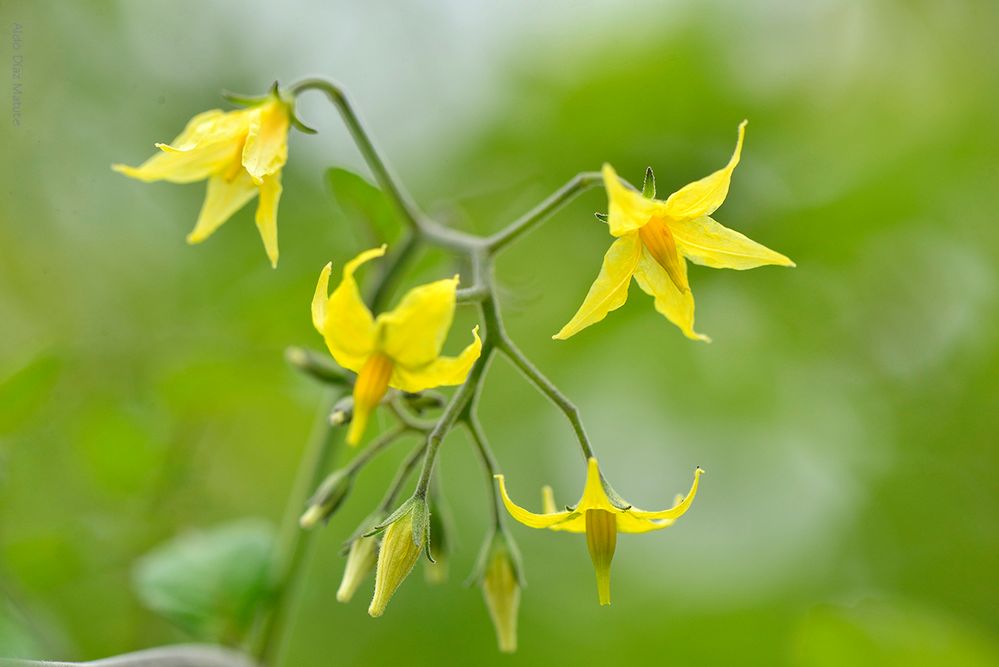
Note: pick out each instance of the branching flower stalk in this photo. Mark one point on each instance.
(396, 355)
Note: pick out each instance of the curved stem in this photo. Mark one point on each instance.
(410, 212)
(374, 448)
(293, 542)
(405, 470)
(577, 184)
(538, 379)
(393, 271)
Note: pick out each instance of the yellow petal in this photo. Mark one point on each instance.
(704, 241)
(703, 197)
(224, 197)
(345, 322)
(658, 241)
(527, 517)
(266, 148)
(628, 523)
(320, 297)
(270, 194)
(415, 330)
(441, 372)
(573, 525)
(676, 306)
(594, 496)
(627, 209)
(211, 141)
(610, 290)
(677, 510)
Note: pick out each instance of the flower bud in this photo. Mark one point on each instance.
(405, 536)
(500, 577)
(316, 365)
(327, 499)
(342, 411)
(361, 561)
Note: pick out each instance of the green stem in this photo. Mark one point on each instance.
(579, 183)
(293, 542)
(410, 212)
(374, 448)
(478, 435)
(547, 388)
(405, 470)
(393, 271)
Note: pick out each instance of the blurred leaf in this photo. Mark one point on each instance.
(365, 204)
(24, 392)
(16, 637)
(209, 582)
(889, 635)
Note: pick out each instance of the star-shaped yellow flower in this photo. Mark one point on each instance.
(240, 153)
(600, 517)
(653, 239)
(400, 348)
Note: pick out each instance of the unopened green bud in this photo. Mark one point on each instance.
(316, 365)
(500, 575)
(342, 412)
(404, 538)
(501, 582)
(327, 499)
(361, 561)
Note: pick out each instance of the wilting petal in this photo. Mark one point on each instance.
(627, 209)
(610, 290)
(677, 510)
(441, 372)
(266, 148)
(224, 197)
(676, 306)
(270, 193)
(703, 197)
(527, 517)
(704, 241)
(416, 329)
(346, 322)
(210, 142)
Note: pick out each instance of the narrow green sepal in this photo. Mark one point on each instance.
(649, 186)
(602, 217)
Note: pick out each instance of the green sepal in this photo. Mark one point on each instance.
(649, 186)
(602, 217)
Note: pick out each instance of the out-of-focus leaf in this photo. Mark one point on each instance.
(23, 393)
(209, 582)
(889, 635)
(364, 203)
(15, 635)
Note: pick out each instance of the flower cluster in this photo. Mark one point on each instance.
(390, 359)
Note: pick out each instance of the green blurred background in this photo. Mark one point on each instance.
(847, 412)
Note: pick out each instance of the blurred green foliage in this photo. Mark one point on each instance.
(846, 412)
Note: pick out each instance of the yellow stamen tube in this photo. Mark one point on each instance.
(601, 540)
(370, 387)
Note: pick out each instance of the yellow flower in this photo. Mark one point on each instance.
(400, 348)
(240, 153)
(600, 517)
(654, 238)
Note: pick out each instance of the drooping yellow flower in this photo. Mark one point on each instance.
(600, 517)
(400, 348)
(653, 239)
(240, 153)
